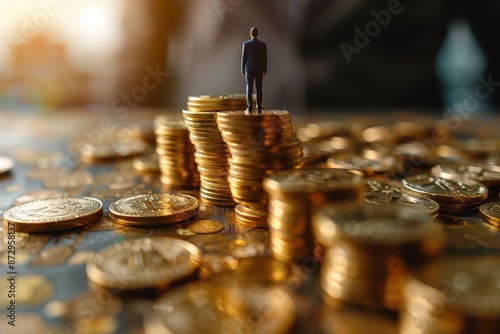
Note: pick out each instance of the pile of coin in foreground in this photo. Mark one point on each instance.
(211, 151)
(293, 195)
(149, 263)
(175, 154)
(455, 294)
(223, 307)
(369, 249)
(260, 145)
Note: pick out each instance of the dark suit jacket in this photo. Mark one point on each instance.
(254, 56)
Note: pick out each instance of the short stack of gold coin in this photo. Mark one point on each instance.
(211, 151)
(293, 195)
(369, 249)
(456, 294)
(260, 145)
(455, 195)
(175, 154)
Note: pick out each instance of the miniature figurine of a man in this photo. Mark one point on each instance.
(254, 67)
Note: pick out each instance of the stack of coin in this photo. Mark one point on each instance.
(369, 248)
(486, 174)
(260, 145)
(175, 154)
(454, 195)
(153, 209)
(211, 151)
(456, 294)
(228, 307)
(293, 195)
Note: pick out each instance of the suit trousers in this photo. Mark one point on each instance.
(250, 78)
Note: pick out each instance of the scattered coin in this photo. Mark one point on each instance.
(53, 214)
(206, 226)
(143, 263)
(491, 213)
(154, 209)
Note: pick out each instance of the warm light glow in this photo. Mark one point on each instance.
(93, 19)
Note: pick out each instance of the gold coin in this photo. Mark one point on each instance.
(154, 209)
(112, 151)
(419, 203)
(206, 226)
(29, 290)
(388, 224)
(462, 288)
(457, 190)
(143, 263)
(53, 214)
(227, 307)
(6, 164)
(147, 163)
(491, 213)
(214, 265)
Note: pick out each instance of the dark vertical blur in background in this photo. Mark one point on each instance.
(154, 53)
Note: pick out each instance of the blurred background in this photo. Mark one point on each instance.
(328, 55)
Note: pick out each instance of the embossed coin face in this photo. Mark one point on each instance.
(314, 179)
(53, 214)
(206, 226)
(387, 224)
(491, 213)
(6, 164)
(143, 263)
(446, 190)
(419, 203)
(154, 209)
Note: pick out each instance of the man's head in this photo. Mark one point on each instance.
(254, 32)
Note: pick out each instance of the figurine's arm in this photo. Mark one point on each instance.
(243, 60)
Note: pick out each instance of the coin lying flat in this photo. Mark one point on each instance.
(446, 190)
(53, 214)
(491, 213)
(420, 203)
(153, 209)
(143, 263)
(6, 164)
(206, 226)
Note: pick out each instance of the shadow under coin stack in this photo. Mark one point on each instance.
(211, 151)
(369, 249)
(293, 195)
(260, 145)
(455, 294)
(175, 154)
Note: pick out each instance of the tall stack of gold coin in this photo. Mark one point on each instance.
(293, 195)
(456, 294)
(369, 249)
(260, 145)
(212, 152)
(175, 154)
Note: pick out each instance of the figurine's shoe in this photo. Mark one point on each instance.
(248, 112)
(259, 112)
